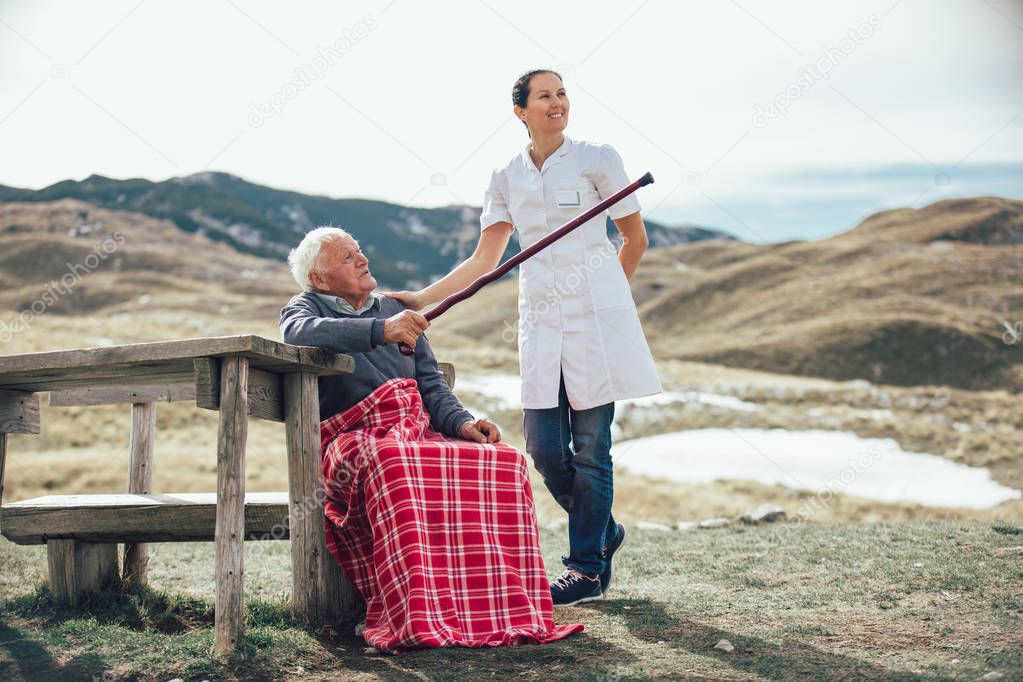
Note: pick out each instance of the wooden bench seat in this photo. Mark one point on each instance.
(168, 517)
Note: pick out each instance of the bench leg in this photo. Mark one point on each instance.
(321, 593)
(140, 480)
(79, 570)
(229, 611)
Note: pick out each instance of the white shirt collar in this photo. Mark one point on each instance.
(566, 144)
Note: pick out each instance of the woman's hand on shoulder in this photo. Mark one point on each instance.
(413, 300)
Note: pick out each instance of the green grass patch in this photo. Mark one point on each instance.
(858, 601)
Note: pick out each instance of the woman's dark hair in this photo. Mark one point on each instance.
(520, 91)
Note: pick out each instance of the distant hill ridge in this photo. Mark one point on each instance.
(910, 296)
(410, 246)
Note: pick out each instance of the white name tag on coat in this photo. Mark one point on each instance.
(567, 198)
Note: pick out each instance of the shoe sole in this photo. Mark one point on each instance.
(611, 570)
(580, 601)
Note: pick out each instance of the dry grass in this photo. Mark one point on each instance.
(809, 601)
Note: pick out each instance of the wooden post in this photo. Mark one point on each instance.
(229, 613)
(140, 481)
(321, 593)
(80, 569)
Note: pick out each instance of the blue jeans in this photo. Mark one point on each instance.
(572, 451)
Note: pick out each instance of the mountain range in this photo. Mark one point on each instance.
(409, 246)
(932, 295)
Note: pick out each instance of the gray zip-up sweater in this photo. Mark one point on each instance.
(309, 321)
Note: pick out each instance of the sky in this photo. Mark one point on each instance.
(771, 120)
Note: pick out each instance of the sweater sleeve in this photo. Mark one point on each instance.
(302, 325)
(446, 412)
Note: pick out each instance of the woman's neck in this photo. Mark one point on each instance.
(540, 148)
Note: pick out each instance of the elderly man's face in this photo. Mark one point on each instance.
(343, 271)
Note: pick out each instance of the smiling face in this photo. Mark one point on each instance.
(342, 270)
(546, 110)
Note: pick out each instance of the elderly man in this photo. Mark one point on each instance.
(429, 515)
(339, 312)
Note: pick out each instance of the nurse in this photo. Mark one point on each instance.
(581, 346)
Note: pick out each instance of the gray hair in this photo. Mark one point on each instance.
(303, 258)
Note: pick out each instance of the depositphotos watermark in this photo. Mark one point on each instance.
(1013, 333)
(307, 74)
(811, 74)
(557, 292)
(63, 287)
(821, 500)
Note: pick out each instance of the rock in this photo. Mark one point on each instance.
(765, 513)
(648, 525)
(719, 522)
(686, 525)
(993, 675)
(725, 646)
(371, 651)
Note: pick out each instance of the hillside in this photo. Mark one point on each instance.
(71, 258)
(410, 246)
(907, 297)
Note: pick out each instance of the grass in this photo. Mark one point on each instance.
(939, 600)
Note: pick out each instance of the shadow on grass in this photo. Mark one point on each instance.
(273, 645)
(578, 656)
(31, 661)
(650, 621)
(136, 609)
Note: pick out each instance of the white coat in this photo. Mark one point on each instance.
(576, 313)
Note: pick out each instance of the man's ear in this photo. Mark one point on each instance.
(315, 279)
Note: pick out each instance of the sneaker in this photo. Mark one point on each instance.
(573, 587)
(609, 552)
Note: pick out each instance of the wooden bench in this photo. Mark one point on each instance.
(239, 376)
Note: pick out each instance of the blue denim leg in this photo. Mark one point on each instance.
(578, 476)
(590, 522)
(547, 442)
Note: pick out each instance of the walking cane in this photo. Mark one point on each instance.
(502, 269)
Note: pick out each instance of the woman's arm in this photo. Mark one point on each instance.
(634, 232)
(487, 256)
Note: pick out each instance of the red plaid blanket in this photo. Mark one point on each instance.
(439, 536)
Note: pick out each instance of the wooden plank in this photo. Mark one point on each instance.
(448, 370)
(266, 395)
(177, 517)
(169, 517)
(321, 593)
(118, 395)
(169, 372)
(78, 570)
(229, 610)
(140, 480)
(207, 383)
(19, 412)
(71, 365)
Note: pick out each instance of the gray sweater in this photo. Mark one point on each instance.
(308, 321)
